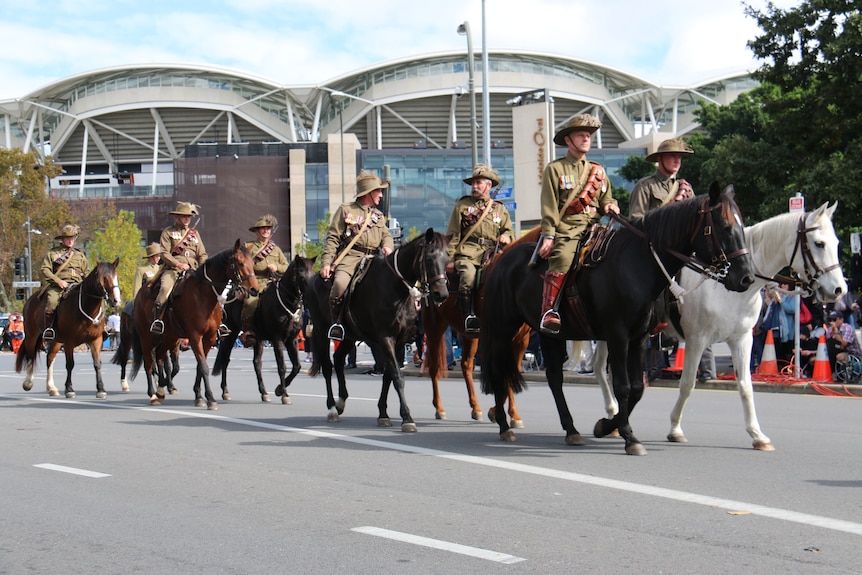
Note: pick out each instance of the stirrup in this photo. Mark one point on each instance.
(550, 322)
(223, 330)
(471, 324)
(158, 327)
(48, 334)
(336, 332)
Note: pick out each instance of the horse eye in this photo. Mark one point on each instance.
(820, 244)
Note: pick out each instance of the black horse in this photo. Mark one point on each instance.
(277, 319)
(614, 300)
(379, 309)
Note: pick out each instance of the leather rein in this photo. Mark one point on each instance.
(424, 280)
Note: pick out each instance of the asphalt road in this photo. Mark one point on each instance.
(117, 486)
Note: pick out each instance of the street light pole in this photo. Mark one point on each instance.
(486, 98)
(464, 29)
(30, 233)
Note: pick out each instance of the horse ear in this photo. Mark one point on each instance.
(116, 262)
(238, 245)
(429, 235)
(729, 191)
(714, 193)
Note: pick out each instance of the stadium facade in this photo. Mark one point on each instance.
(145, 136)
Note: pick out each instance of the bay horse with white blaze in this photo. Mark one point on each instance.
(709, 313)
(277, 319)
(380, 309)
(194, 312)
(79, 318)
(615, 292)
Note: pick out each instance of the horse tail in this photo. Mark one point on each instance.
(315, 366)
(222, 358)
(23, 359)
(121, 356)
(137, 353)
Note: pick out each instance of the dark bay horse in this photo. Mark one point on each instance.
(277, 319)
(437, 319)
(194, 312)
(615, 297)
(380, 309)
(124, 351)
(79, 318)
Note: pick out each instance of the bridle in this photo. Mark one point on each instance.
(424, 280)
(294, 315)
(104, 296)
(812, 271)
(232, 286)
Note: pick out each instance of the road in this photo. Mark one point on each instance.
(118, 486)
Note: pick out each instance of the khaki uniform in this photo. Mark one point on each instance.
(144, 274)
(263, 256)
(468, 255)
(560, 178)
(650, 193)
(346, 223)
(74, 273)
(194, 255)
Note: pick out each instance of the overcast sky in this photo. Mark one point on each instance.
(312, 41)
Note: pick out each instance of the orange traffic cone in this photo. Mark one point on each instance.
(822, 370)
(768, 362)
(678, 362)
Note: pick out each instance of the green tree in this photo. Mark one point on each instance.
(314, 249)
(120, 238)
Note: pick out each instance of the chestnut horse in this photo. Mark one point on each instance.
(79, 318)
(193, 312)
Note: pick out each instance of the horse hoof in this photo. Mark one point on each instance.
(384, 422)
(285, 400)
(71, 395)
(614, 433)
(53, 392)
(677, 438)
(155, 400)
(101, 395)
(174, 391)
(27, 385)
(599, 429)
(575, 439)
(333, 417)
(509, 436)
(761, 445)
(124, 387)
(265, 398)
(279, 390)
(200, 403)
(213, 406)
(409, 428)
(442, 415)
(225, 396)
(518, 423)
(477, 415)
(492, 414)
(635, 449)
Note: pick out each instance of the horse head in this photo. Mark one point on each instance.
(242, 269)
(818, 247)
(719, 240)
(432, 273)
(106, 285)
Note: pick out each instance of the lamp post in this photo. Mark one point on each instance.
(464, 30)
(486, 98)
(30, 232)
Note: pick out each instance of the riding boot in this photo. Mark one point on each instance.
(48, 334)
(158, 326)
(550, 322)
(471, 321)
(336, 330)
(248, 337)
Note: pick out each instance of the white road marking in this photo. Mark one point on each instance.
(438, 544)
(673, 494)
(72, 470)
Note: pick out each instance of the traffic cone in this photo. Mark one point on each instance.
(768, 362)
(678, 362)
(822, 369)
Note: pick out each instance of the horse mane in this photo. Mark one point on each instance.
(763, 237)
(220, 260)
(665, 224)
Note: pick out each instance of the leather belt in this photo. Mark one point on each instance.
(368, 251)
(482, 241)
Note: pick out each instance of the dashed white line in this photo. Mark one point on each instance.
(72, 470)
(438, 544)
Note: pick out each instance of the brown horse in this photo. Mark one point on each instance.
(194, 312)
(79, 318)
(124, 350)
(435, 322)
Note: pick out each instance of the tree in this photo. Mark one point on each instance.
(120, 238)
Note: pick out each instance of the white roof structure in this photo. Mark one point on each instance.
(148, 113)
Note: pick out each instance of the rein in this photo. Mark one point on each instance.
(295, 315)
(102, 297)
(424, 280)
(229, 286)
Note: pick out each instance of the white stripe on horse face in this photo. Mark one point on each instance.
(118, 300)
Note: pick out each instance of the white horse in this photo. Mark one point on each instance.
(710, 313)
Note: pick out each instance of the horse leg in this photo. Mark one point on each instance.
(223, 362)
(435, 357)
(295, 366)
(172, 359)
(392, 375)
(338, 357)
(554, 352)
(257, 361)
(519, 346)
(623, 368)
(53, 349)
(600, 369)
(741, 352)
(95, 353)
(469, 345)
(69, 352)
(687, 381)
(203, 373)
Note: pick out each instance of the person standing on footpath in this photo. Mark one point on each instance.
(575, 194)
(63, 266)
(478, 226)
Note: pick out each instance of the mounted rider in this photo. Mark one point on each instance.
(268, 260)
(575, 194)
(477, 224)
(357, 230)
(148, 271)
(63, 266)
(181, 249)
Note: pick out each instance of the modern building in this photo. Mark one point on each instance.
(240, 145)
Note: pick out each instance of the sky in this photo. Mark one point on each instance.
(295, 42)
